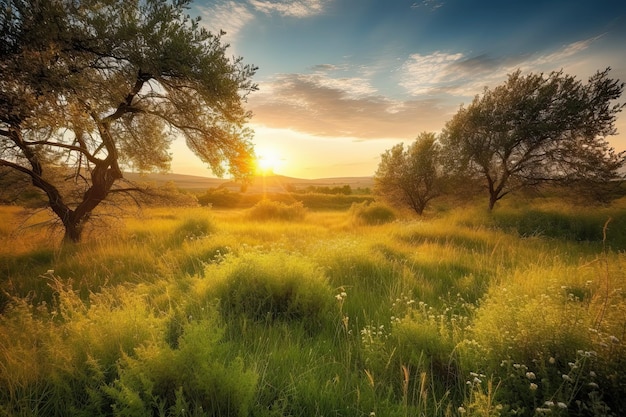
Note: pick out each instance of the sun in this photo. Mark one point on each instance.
(268, 162)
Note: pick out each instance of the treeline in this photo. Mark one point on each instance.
(225, 198)
(532, 131)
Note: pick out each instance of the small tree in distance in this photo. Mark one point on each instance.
(537, 129)
(411, 177)
(90, 88)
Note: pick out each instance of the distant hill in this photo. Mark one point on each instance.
(271, 183)
(184, 182)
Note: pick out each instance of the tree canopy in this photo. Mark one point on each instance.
(411, 177)
(100, 86)
(537, 128)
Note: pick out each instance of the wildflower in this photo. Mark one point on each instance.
(372, 414)
(343, 294)
(339, 297)
(533, 386)
(461, 410)
(572, 365)
(477, 380)
(530, 375)
(552, 360)
(549, 403)
(561, 405)
(613, 339)
(593, 385)
(592, 374)
(566, 378)
(542, 410)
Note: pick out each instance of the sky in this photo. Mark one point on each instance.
(341, 81)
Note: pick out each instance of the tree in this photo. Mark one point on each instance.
(98, 86)
(411, 177)
(535, 129)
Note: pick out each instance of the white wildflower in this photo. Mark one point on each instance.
(530, 375)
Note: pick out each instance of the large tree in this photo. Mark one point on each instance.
(537, 128)
(93, 87)
(411, 177)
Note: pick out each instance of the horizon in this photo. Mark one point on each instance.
(340, 82)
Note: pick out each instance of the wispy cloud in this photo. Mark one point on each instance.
(424, 73)
(229, 16)
(465, 76)
(345, 107)
(291, 8)
(428, 4)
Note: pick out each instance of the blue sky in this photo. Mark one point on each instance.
(341, 81)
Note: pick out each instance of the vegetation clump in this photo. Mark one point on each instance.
(272, 286)
(267, 209)
(449, 316)
(371, 213)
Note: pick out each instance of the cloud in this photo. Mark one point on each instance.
(290, 8)
(428, 4)
(424, 73)
(229, 16)
(323, 106)
(465, 76)
(331, 101)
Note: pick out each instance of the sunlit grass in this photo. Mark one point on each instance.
(173, 309)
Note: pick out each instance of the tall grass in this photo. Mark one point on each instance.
(196, 312)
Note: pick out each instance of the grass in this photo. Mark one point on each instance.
(277, 310)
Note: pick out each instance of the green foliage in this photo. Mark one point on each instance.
(411, 178)
(272, 286)
(535, 129)
(578, 225)
(190, 380)
(220, 198)
(192, 229)
(454, 315)
(266, 210)
(372, 213)
(59, 105)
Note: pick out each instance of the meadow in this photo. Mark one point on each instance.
(284, 310)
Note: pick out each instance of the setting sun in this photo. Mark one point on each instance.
(268, 162)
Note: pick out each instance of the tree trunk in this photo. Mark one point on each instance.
(493, 198)
(73, 231)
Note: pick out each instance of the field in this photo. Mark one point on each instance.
(280, 310)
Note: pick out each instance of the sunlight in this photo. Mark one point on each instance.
(268, 162)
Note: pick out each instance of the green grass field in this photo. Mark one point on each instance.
(280, 310)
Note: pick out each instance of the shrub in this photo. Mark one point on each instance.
(194, 379)
(274, 210)
(191, 229)
(371, 213)
(546, 350)
(272, 286)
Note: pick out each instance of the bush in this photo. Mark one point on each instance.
(371, 213)
(272, 286)
(191, 229)
(274, 210)
(546, 351)
(191, 380)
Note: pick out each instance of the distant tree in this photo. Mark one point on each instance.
(411, 177)
(99, 86)
(535, 129)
